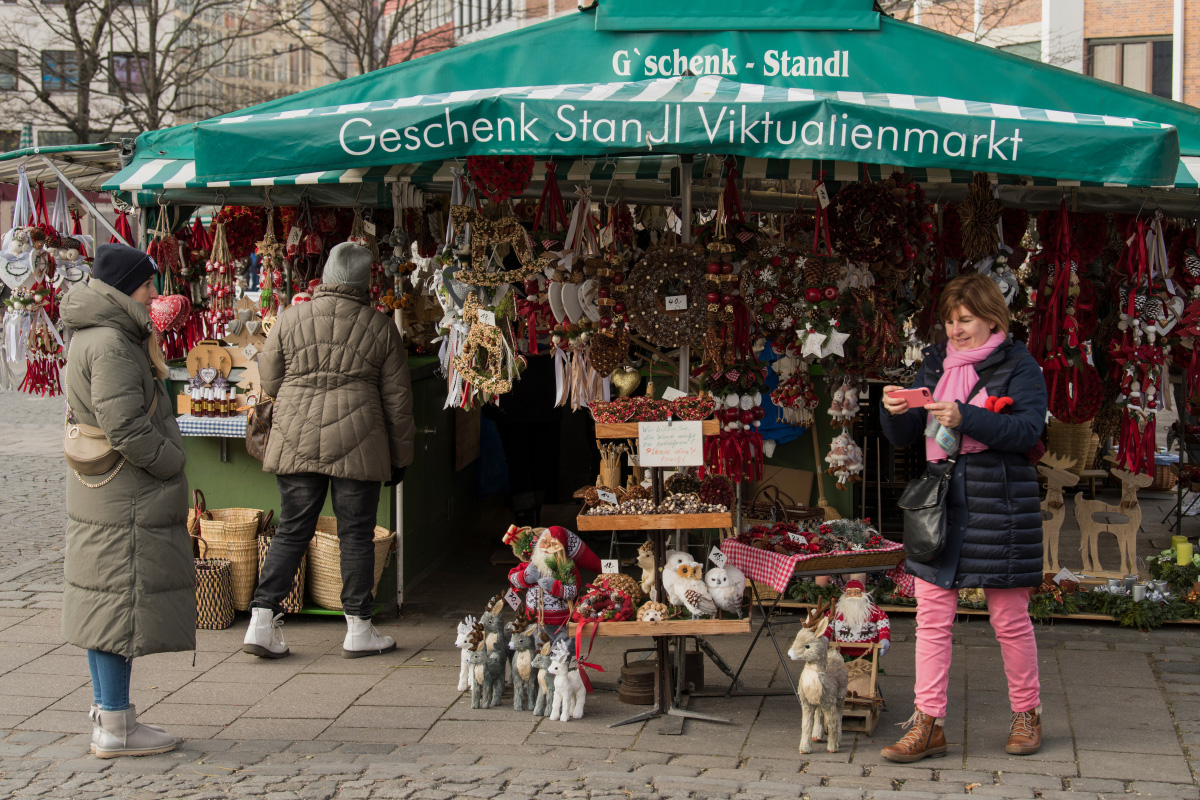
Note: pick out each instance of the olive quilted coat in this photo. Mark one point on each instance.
(338, 371)
(130, 577)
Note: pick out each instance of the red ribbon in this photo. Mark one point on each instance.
(529, 310)
(551, 203)
(122, 227)
(579, 629)
(733, 203)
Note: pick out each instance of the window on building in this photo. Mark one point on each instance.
(10, 140)
(60, 70)
(1142, 64)
(56, 138)
(8, 70)
(128, 71)
(1030, 50)
(474, 15)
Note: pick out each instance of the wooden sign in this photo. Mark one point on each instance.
(671, 444)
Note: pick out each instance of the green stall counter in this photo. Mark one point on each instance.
(422, 510)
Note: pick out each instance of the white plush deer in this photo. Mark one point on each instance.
(1056, 468)
(1126, 533)
(569, 693)
(823, 683)
(465, 643)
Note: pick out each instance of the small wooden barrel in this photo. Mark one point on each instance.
(637, 682)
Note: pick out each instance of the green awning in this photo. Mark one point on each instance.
(691, 115)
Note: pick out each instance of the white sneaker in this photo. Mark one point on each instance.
(264, 637)
(362, 639)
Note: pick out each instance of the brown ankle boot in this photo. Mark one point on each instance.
(1025, 734)
(925, 738)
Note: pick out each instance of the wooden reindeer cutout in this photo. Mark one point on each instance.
(1054, 508)
(1126, 533)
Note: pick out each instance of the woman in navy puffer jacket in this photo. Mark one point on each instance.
(994, 522)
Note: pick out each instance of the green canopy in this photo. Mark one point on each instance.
(691, 115)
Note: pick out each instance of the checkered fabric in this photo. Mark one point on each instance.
(775, 569)
(226, 427)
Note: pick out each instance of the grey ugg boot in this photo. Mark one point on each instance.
(121, 735)
(94, 716)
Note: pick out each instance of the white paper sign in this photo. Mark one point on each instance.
(717, 557)
(672, 393)
(610, 566)
(249, 351)
(512, 599)
(823, 196)
(606, 236)
(607, 497)
(797, 538)
(677, 302)
(671, 444)
(295, 235)
(369, 227)
(487, 318)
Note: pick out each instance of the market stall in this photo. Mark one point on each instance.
(728, 227)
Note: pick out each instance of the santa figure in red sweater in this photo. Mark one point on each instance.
(856, 620)
(551, 576)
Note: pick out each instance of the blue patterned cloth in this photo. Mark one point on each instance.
(227, 427)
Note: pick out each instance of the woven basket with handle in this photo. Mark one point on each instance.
(294, 602)
(1073, 440)
(325, 562)
(214, 592)
(242, 554)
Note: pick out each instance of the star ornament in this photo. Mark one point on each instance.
(812, 344)
(834, 346)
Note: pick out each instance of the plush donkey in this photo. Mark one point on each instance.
(823, 682)
(545, 683)
(569, 693)
(524, 679)
(465, 643)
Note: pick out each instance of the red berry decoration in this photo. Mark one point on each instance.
(727, 268)
(830, 292)
(712, 297)
(606, 322)
(713, 268)
(602, 293)
(619, 308)
(727, 299)
(812, 294)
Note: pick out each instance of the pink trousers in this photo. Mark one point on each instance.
(1009, 612)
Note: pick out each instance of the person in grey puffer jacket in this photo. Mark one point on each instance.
(130, 579)
(343, 420)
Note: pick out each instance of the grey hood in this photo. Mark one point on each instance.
(95, 304)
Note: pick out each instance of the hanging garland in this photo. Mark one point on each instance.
(668, 272)
(500, 177)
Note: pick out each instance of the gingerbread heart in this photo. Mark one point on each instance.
(169, 312)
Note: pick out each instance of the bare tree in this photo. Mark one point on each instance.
(56, 55)
(968, 18)
(352, 37)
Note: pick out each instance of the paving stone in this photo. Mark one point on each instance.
(677, 770)
(833, 793)
(1152, 789)
(1096, 785)
(1178, 666)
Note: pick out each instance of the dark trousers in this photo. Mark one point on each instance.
(301, 497)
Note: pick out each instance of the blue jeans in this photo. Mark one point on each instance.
(110, 679)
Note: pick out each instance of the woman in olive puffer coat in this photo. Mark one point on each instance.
(130, 577)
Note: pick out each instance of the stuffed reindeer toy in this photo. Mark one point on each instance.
(823, 682)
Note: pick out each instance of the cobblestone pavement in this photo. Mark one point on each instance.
(1122, 708)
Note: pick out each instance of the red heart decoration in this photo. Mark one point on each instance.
(169, 312)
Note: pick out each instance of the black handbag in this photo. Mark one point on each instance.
(924, 507)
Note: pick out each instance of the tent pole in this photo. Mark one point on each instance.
(685, 191)
(96, 215)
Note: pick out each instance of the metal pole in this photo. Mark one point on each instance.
(83, 199)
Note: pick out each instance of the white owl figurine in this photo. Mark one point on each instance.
(670, 575)
(689, 585)
(726, 585)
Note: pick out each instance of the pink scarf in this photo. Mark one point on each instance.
(958, 379)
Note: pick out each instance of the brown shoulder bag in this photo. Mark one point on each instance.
(258, 427)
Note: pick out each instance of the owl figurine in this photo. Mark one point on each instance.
(670, 574)
(689, 585)
(726, 585)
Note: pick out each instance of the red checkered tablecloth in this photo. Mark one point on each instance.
(775, 569)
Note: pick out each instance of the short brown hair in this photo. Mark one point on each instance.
(980, 295)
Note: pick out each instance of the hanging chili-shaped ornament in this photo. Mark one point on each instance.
(220, 270)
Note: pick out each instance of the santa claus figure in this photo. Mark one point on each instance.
(857, 620)
(551, 576)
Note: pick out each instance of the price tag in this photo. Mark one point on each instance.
(295, 235)
(606, 236)
(672, 393)
(677, 302)
(610, 566)
(607, 497)
(797, 538)
(250, 351)
(717, 557)
(369, 227)
(823, 196)
(488, 318)
(512, 599)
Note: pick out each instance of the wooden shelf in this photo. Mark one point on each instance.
(651, 522)
(629, 430)
(983, 612)
(675, 627)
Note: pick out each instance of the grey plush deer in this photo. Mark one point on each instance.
(823, 682)
(545, 683)
(495, 635)
(524, 677)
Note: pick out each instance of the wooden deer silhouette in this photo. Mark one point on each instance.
(1126, 533)
(1054, 508)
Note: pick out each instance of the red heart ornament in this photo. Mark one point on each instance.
(169, 312)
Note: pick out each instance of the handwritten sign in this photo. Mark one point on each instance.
(823, 196)
(369, 227)
(487, 318)
(671, 444)
(717, 557)
(610, 566)
(249, 351)
(512, 599)
(671, 393)
(797, 538)
(676, 302)
(607, 497)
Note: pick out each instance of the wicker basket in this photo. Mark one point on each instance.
(243, 558)
(1164, 478)
(231, 525)
(1073, 440)
(863, 559)
(214, 605)
(325, 562)
(294, 602)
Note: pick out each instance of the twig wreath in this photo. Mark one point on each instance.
(663, 272)
(491, 339)
(486, 234)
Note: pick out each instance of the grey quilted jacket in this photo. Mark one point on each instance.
(130, 578)
(338, 371)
